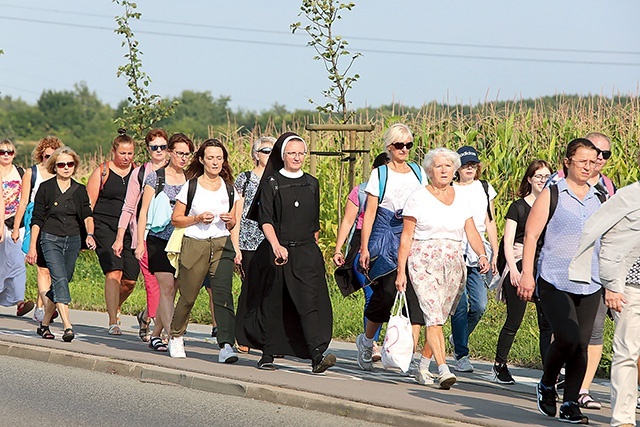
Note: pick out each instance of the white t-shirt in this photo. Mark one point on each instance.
(477, 198)
(204, 200)
(399, 187)
(434, 219)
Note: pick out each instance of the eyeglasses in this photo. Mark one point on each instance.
(540, 177)
(470, 165)
(583, 163)
(182, 154)
(401, 145)
(606, 154)
(294, 154)
(7, 152)
(265, 150)
(158, 147)
(61, 165)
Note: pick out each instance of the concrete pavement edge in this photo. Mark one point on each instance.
(208, 383)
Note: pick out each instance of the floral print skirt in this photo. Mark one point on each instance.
(438, 274)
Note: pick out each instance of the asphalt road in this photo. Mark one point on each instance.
(41, 394)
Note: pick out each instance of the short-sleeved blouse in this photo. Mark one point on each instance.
(171, 191)
(250, 234)
(399, 187)
(436, 220)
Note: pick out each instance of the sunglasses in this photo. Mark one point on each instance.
(265, 150)
(401, 145)
(606, 154)
(46, 156)
(61, 165)
(158, 147)
(7, 152)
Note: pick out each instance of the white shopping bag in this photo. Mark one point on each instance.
(397, 349)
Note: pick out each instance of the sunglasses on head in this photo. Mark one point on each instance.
(401, 145)
(158, 147)
(7, 152)
(265, 150)
(61, 165)
(606, 154)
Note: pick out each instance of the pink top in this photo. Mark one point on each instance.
(353, 197)
(129, 215)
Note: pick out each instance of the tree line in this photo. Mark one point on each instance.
(83, 121)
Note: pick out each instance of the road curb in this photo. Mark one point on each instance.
(208, 383)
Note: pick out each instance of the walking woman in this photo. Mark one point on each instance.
(60, 216)
(570, 307)
(13, 274)
(168, 180)
(156, 142)
(247, 235)
(387, 190)
(206, 246)
(107, 187)
(473, 301)
(288, 305)
(532, 184)
(435, 220)
(33, 177)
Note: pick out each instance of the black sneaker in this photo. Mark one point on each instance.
(501, 374)
(214, 332)
(546, 400)
(570, 413)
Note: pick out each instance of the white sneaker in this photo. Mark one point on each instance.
(446, 380)
(463, 365)
(414, 368)
(176, 347)
(227, 355)
(38, 314)
(424, 378)
(365, 354)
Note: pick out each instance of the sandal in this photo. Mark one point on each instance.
(114, 330)
(143, 332)
(242, 349)
(586, 401)
(68, 335)
(157, 344)
(24, 307)
(44, 332)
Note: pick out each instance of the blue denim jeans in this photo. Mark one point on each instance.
(60, 253)
(469, 311)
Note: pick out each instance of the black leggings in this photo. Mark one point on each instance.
(571, 317)
(515, 313)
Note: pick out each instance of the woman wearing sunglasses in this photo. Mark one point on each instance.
(61, 214)
(13, 274)
(381, 230)
(33, 177)
(180, 149)
(107, 187)
(247, 236)
(288, 305)
(156, 142)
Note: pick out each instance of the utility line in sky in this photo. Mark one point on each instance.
(373, 39)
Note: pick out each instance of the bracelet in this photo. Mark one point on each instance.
(337, 253)
(483, 255)
(89, 234)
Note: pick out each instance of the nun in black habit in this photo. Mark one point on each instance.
(288, 306)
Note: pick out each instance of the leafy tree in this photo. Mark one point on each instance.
(143, 109)
(330, 49)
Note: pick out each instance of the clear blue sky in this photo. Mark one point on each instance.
(414, 52)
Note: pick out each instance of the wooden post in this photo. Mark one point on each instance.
(366, 157)
(312, 148)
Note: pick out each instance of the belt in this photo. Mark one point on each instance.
(294, 243)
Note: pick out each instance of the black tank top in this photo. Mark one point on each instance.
(111, 197)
